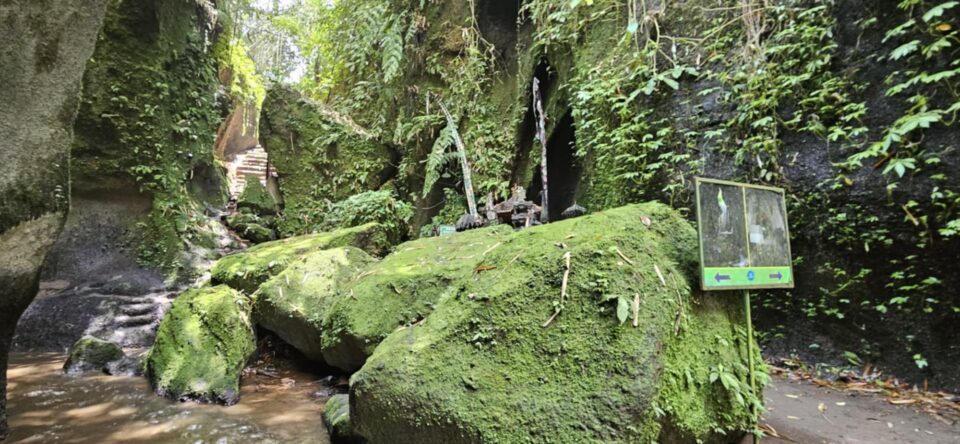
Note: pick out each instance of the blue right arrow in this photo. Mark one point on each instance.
(721, 277)
(778, 276)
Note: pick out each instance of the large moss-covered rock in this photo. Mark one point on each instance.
(400, 290)
(91, 354)
(495, 362)
(256, 198)
(293, 303)
(202, 345)
(247, 270)
(43, 49)
(252, 227)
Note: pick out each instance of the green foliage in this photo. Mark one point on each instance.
(148, 117)
(372, 206)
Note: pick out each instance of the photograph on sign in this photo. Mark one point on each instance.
(744, 238)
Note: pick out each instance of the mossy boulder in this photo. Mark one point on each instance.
(496, 362)
(90, 354)
(247, 270)
(292, 304)
(256, 198)
(202, 345)
(252, 227)
(336, 417)
(400, 290)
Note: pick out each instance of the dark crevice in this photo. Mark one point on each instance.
(528, 129)
(563, 170)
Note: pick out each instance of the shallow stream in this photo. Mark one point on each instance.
(281, 405)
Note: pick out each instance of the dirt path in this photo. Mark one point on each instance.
(794, 411)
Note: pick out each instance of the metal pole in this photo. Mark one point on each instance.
(753, 384)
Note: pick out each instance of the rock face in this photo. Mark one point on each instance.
(143, 167)
(43, 50)
(123, 310)
(247, 270)
(294, 303)
(202, 346)
(317, 153)
(91, 354)
(630, 353)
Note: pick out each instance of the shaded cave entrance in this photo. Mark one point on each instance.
(563, 170)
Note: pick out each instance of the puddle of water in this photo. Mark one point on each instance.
(46, 406)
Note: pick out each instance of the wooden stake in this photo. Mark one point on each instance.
(636, 310)
(563, 288)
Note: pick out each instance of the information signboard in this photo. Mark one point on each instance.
(744, 236)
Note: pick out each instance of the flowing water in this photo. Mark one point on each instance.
(279, 405)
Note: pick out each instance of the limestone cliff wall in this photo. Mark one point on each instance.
(43, 50)
(144, 171)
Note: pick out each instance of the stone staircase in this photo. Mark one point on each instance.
(248, 163)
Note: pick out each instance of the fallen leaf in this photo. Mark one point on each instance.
(646, 220)
(944, 27)
(822, 407)
(792, 396)
(841, 404)
(793, 417)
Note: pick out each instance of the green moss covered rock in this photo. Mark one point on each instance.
(91, 354)
(496, 362)
(293, 303)
(202, 345)
(400, 290)
(247, 270)
(256, 198)
(336, 416)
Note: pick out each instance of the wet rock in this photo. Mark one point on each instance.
(293, 303)
(125, 366)
(202, 346)
(495, 361)
(336, 416)
(247, 270)
(54, 322)
(92, 354)
(252, 227)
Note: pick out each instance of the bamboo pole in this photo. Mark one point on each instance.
(542, 136)
(467, 178)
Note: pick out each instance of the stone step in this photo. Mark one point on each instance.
(136, 321)
(138, 309)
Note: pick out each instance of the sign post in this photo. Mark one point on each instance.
(744, 244)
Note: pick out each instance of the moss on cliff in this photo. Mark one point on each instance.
(486, 363)
(247, 270)
(148, 116)
(318, 160)
(202, 345)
